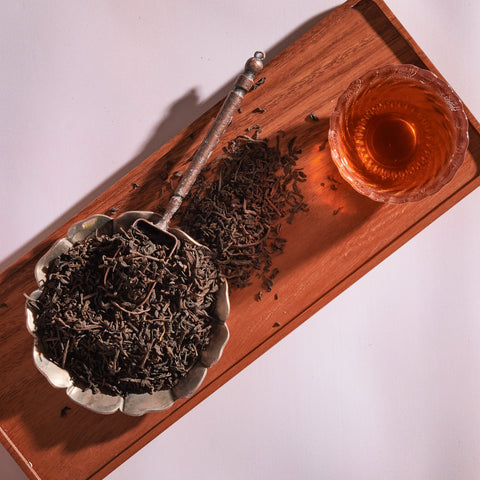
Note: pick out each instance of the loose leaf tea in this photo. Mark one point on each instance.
(64, 411)
(235, 208)
(258, 83)
(122, 316)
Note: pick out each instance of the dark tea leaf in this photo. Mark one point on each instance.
(122, 316)
(236, 207)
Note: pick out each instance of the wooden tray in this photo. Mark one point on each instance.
(334, 251)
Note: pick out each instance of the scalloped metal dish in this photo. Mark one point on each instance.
(131, 404)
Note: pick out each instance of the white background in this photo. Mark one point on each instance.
(384, 382)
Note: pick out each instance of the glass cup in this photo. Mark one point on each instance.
(398, 134)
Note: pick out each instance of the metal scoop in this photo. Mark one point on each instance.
(157, 232)
(155, 227)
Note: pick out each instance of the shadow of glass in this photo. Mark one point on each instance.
(336, 210)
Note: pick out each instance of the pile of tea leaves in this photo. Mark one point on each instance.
(237, 205)
(122, 316)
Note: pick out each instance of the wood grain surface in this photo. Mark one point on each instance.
(325, 253)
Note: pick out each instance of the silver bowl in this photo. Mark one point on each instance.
(130, 404)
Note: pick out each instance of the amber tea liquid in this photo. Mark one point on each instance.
(399, 135)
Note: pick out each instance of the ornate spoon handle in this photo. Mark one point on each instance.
(243, 84)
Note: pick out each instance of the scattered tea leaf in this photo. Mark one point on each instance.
(258, 83)
(333, 179)
(64, 411)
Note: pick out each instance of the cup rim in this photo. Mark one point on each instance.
(426, 77)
